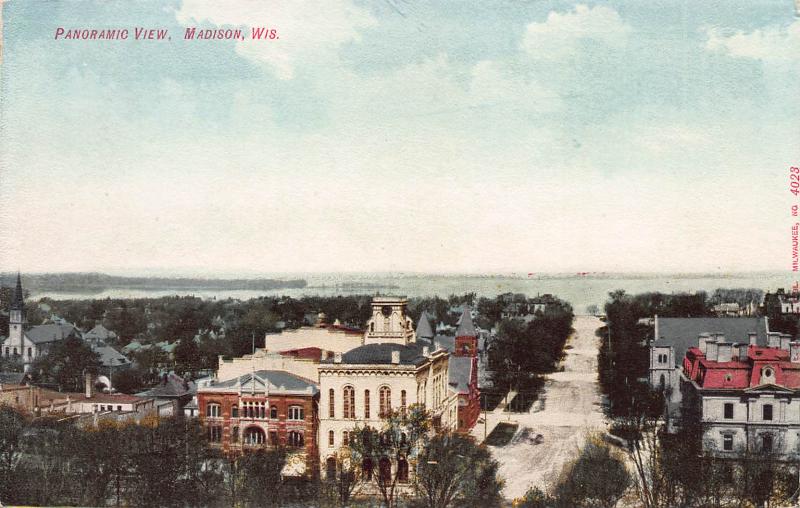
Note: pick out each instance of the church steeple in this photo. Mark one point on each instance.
(18, 302)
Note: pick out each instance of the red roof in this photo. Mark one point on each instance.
(741, 374)
(309, 353)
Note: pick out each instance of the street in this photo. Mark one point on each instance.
(567, 411)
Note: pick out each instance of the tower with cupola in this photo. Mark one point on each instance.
(16, 318)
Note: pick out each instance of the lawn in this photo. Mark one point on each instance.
(501, 435)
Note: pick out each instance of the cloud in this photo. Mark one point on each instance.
(308, 31)
(772, 44)
(561, 34)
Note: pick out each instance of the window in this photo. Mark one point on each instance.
(215, 433)
(366, 469)
(402, 470)
(349, 402)
(295, 412)
(766, 443)
(30, 353)
(15, 351)
(662, 358)
(727, 442)
(403, 401)
(385, 470)
(7, 351)
(767, 412)
(273, 438)
(330, 438)
(366, 404)
(385, 400)
(235, 412)
(295, 439)
(331, 404)
(212, 410)
(254, 436)
(273, 412)
(235, 435)
(330, 466)
(728, 409)
(346, 438)
(119, 408)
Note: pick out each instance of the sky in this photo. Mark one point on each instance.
(395, 135)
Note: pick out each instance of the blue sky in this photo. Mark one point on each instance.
(396, 135)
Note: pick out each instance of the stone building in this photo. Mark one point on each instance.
(389, 371)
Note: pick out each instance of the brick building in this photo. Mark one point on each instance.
(263, 408)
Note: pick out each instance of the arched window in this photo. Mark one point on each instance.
(402, 470)
(366, 469)
(349, 402)
(385, 470)
(366, 404)
(330, 466)
(662, 382)
(273, 412)
(385, 394)
(295, 438)
(254, 436)
(345, 438)
(212, 410)
(372, 326)
(235, 412)
(330, 437)
(403, 401)
(331, 403)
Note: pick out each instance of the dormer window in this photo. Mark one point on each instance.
(767, 375)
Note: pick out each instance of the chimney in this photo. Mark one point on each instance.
(702, 341)
(323, 355)
(87, 385)
(743, 350)
(724, 351)
(794, 351)
(711, 350)
(785, 341)
(774, 340)
(337, 358)
(395, 357)
(752, 338)
(426, 351)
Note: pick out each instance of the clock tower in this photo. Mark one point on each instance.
(389, 322)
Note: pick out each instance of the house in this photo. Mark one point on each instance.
(171, 395)
(111, 360)
(261, 409)
(744, 395)
(99, 334)
(389, 370)
(672, 338)
(26, 344)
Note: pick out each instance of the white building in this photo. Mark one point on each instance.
(389, 371)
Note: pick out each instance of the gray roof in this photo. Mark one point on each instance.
(276, 381)
(109, 357)
(682, 333)
(447, 342)
(424, 329)
(12, 378)
(459, 371)
(465, 326)
(99, 332)
(380, 354)
(175, 387)
(50, 333)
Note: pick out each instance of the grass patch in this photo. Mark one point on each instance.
(501, 435)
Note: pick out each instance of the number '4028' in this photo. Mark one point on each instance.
(794, 180)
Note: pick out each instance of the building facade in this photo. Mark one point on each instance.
(744, 396)
(261, 409)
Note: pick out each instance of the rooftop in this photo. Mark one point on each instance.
(682, 333)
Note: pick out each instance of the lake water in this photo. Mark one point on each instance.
(579, 291)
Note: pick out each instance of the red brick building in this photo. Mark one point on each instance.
(263, 409)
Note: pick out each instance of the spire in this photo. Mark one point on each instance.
(465, 326)
(19, 300)
(424, 329)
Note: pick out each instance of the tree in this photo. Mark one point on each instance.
(187, 357)
(592, 310)
(597, 478)
(451, 468)
(66, 363)
(12, 426)
(391, 449)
